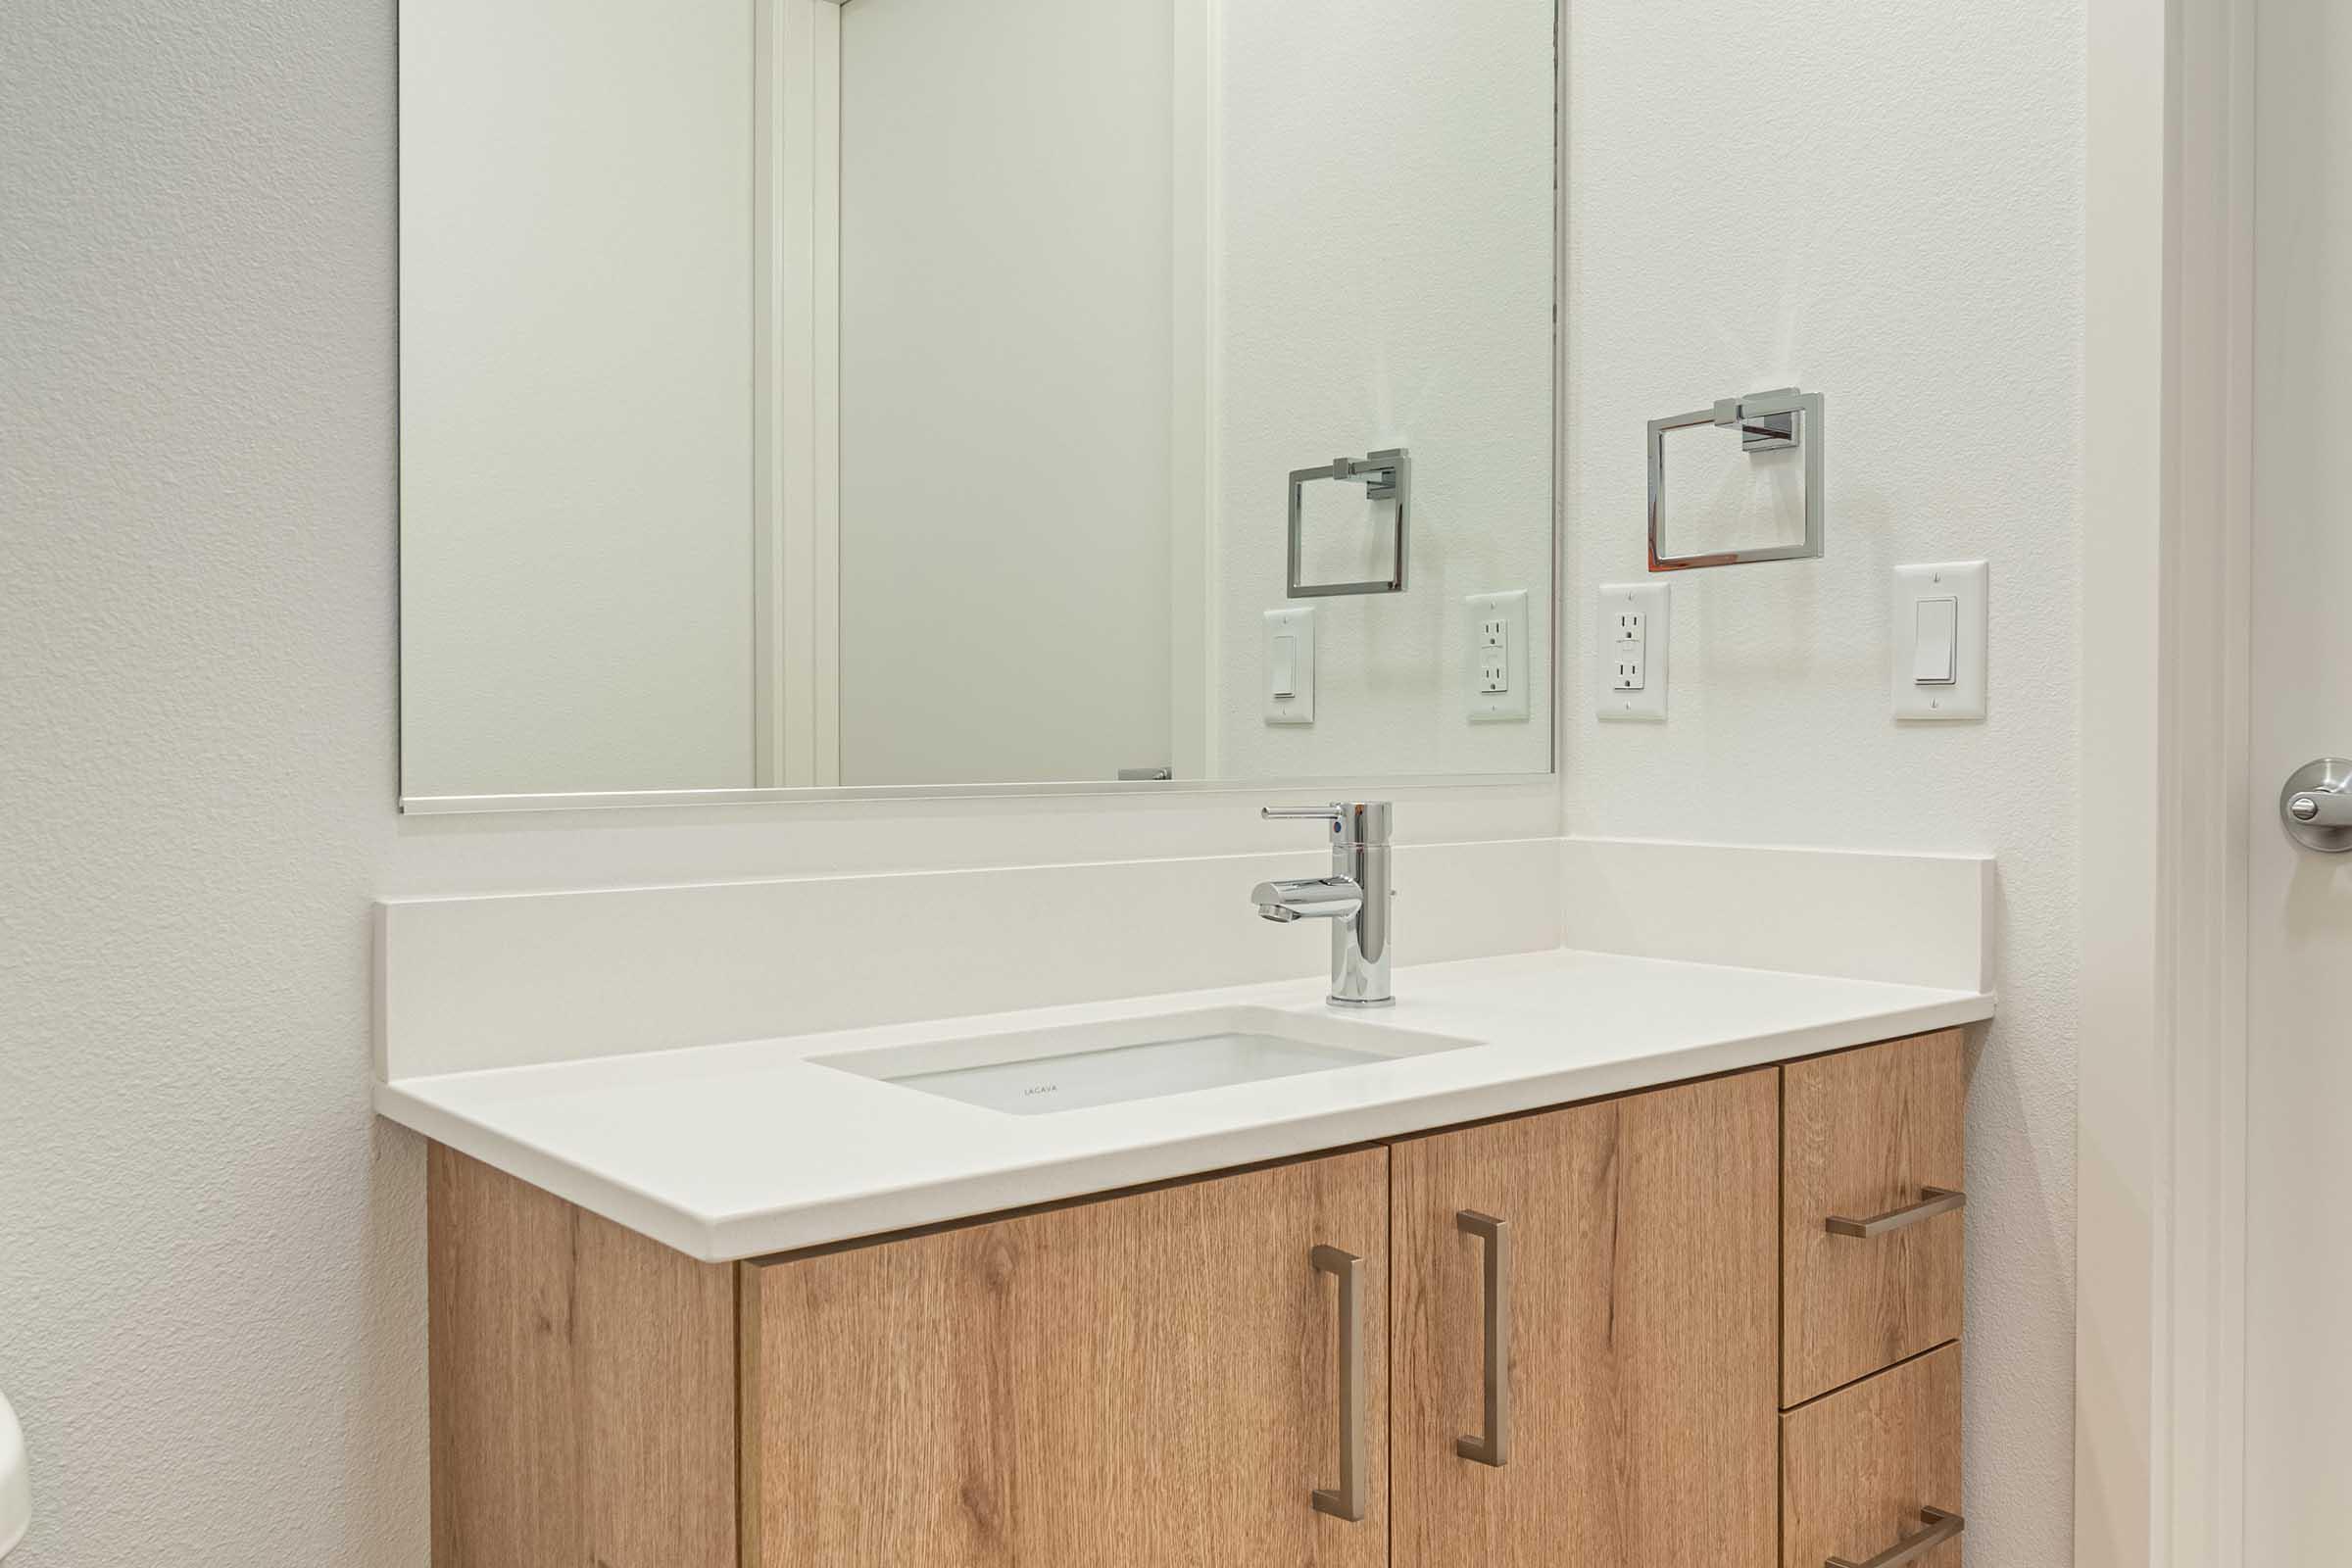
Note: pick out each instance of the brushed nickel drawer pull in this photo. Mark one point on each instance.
(1356, 1456)
(1493, 1446)
(1941, 1527)
(1936, 1200)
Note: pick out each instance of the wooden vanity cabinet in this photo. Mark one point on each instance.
(1634, 1304)
(1641, 1295)
(1152, 1380)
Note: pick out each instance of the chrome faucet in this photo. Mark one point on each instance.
(1354, 898)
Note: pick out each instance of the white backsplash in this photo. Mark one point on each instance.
(510, 980)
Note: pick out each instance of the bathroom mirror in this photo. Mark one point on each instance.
(924, 396)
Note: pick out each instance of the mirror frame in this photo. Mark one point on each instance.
(785, 795)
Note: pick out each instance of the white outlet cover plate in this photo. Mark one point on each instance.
(1969, 583)
(1510, 705)
(1294, 621)
(1654, 603)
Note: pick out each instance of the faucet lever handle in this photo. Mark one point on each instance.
(1353, 823)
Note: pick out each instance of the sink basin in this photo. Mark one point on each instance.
(1040, 1071)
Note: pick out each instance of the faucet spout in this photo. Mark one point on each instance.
(1316, 898)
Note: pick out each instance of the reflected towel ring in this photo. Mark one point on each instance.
(1385, 476)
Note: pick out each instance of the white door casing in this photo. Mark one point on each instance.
(2160, 1224)
(2213, 1398)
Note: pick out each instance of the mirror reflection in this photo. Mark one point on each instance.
(916, 393)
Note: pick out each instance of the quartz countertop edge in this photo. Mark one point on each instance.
(751, 1149)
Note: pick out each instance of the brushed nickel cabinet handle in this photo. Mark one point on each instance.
(1355, 1454)
(1941, 1527)
(1936, 1200)
(1493, 1446)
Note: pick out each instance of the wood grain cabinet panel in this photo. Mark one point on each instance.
(1862, 1468)
(1868, 1133)
(582, 1385)
(1150, 1380)
(1643, 1379)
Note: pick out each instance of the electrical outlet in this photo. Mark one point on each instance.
(1629, 627)
(1629, 649)
(1498, 627)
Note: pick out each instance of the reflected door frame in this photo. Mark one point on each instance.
(796, 684)
(797, 401)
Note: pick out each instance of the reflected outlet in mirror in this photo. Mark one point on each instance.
(1037, 1072)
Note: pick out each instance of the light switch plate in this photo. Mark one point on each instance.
(1632, 622)
(1967, 584)
(1495, 630)
(1295, 625)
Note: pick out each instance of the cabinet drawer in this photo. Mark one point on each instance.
(1872, 1471)
(1870, 1223)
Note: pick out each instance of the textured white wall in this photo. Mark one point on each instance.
(211, 1259)
(1883, 202)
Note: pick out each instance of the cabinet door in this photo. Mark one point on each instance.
(1149, 1380)
(1641, 1428)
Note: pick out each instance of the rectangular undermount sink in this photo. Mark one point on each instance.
(1038, 1071)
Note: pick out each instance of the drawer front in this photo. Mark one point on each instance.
(1872, 1473)
(1869, 1240)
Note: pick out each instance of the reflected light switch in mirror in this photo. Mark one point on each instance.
(1290, 666)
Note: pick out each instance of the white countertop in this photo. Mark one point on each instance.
(737, 1151)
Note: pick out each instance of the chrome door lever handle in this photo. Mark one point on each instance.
(2317, 806)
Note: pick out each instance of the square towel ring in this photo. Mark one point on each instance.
(1766, 422)
(1385, 476)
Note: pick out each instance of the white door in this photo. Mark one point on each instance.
(2299, 1069)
